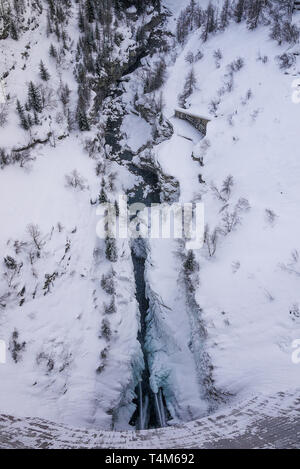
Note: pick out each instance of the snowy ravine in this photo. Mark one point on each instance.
(123, 334)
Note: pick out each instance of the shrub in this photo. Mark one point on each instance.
(16, 347)
(218, 57)
(106, 329)
(75, 180)
(107, 283)
(199, 56)
(111, 308)
(230, 221)
(211, 240)
(189, 58)
(286, 61)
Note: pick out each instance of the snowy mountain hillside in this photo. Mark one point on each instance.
(118, 333)
(248, 288)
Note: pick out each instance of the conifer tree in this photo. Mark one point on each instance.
(224, 20)
(82, 120)
(89, 11)
(49, 26)
(210, 22)
(239, 11)
(52, 51)
(81, 21)
(189, 86)
(36, 119)
(254, 13)
(34, 98)
(23, 120)
(44, 74)
(190, 263)
(102, 196)
(111, 249)
(29, 120)
(13, 31)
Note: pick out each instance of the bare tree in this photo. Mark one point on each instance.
(242, 205)
(75, 180)
(91, 147)
(270, 216)
(34, 232)
(213, 106)
(12, 270)
(227, 187)
(211, 240)
(230, 221)
(224, 193)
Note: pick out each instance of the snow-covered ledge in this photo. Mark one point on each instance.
(261, 422)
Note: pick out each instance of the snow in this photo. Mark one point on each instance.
(247, 310)
(40, 190)
(55, 376)
(137, 131)
(65, 324)
(173, 338)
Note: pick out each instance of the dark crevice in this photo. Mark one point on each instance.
(151, 410)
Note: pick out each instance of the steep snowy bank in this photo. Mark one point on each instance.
(249, 289)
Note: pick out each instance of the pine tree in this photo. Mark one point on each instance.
(190, 263)
(97, 32)
(44, 74)
(111, 249)
(23, 120)
(89, 11)
(82, 120)
(117, 209)
(70, 120)
(57, 30)
(65, 94)
(239, 11)
(52, 51)
(189, 86)
(29, 120)
(49, 26)
(276, 32)
(102, 196)
(36, 119)
(81, 21)
(224, 20)
(254, 13)
(210, 22)
(34, 98)
(13, 31)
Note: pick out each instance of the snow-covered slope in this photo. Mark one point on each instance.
(249, 290)
(61, 355)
